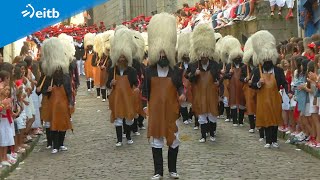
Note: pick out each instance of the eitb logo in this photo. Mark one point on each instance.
(44, 13)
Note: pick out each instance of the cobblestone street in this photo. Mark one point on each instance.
(92, 153)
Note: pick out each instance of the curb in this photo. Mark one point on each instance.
(5, 171)
(310, 150)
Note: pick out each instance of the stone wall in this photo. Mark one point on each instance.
(277, 25)
(109, 12)
(117, 11)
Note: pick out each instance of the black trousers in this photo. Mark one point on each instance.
(140, 121)
(158, 160)
(262, 132)
(49, 137)
(221, 108)
(58, 139)
(191, 114)
(184, 113)
(252, 121)
(271, 134)
(228, 112)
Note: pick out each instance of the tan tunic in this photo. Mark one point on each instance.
(236, 89)
(121, 100)
(163, 109)
(251, 99)
(45, 109)
(205, 95)
(88, 69)
(269, 102)
(60, 113)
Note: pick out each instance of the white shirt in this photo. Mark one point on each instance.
(121, 72)
(271, 71)
(162, 72)
(205, 66)
(186, 65)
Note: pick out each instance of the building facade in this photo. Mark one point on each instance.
(118, 11)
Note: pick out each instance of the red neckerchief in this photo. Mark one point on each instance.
(8, 115)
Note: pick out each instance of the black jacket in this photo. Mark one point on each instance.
(130, 72)
(244, 73)
(152, 71)
(73, 71)
(213, 67)
(79, 51)
(228, 75)
(46, 84)
(137, 65)
(279, 75)
(94, 59)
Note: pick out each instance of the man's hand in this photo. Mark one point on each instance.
(262, 81)
(197, 72)
(49, 89)
(38, 89)
(182, 98)
(113, 82)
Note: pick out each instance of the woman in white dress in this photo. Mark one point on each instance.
(6, 131)
(36, 100)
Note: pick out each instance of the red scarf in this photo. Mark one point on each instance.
(8, 115)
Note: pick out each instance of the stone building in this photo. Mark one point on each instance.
(118, 11)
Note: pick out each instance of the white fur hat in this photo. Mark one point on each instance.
(145, 37)
(183, 45)
(203, 43)
(88, 39)
(99, 44)
(248, 51)
(140, 45)
(107, 35)
(69, 48)
(264, 47)
(122, 44)
(53, 56)
(218, 48)
(230, 49)
(120, 27)
(217, 36)
(162, 36)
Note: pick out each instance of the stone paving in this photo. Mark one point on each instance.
(92, 153)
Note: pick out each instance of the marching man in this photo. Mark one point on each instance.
(162, 88)
(232, 52)
(183, 64)
(122, 80)
(246, 78)
(267, 79)
(88, 57)
(204, 77)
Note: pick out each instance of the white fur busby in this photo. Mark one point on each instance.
(140, 45)
(264, 47)
(183, 45)
(145, 37)
(69, 48)
(203, 43)
(122, 44)
(53, 56)
(248, 51)
(120, 27)
(230, 49)
(218, 48)
(107, 39)
(217, 36)
(88, 39)
(99, 44)
(162, 36)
